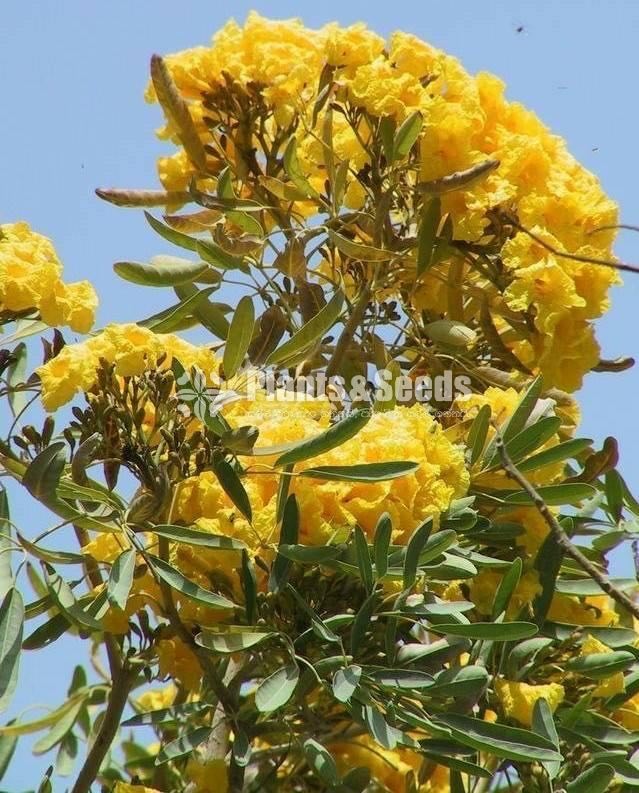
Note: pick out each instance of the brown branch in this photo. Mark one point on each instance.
(347, 334)
(559, 535)
(120, 689)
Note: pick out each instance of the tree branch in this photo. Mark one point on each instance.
(120, 689)
(560, 536)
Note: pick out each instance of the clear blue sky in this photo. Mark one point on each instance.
(72, 74)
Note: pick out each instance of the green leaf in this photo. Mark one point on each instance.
(231, 638)
(594, 780)
(11, 627)
(363, 559)
(164, 271)
(233, 487)
(47, 633)
(176, 580)
(407, 134)
(544, 724)
(47, 555)
(320, 761)
(185, 744)
(490, 631)
(177, 112)
(276, 690)
(121, 579)
(414, 548)
(319, 627)
(362, 622)
(380, 729)
(60, 729)
(239, 338)
(209, 314)
(547, 564)
(507, 586)
(310, 554)
(364, 472)
(614, 489)
(27, 727)
(562, 451)
(450, 332)
(16, 376)
(358, 251)
(171, 235)
(459, 681)
(402, 679)
(288, 536)
(381, 544)
(216, 256)
(427, 234)
(532, 437)
(189, 536)
(512, 743)
(294, 171)
(311, 332)
(331, 438)
(567, 493)
(8, 745)
(516, 423)
(345, 681)
(249, 587)
(478, 433)
(179, 316)
(6, 573)
(43, 474)
(65, 600)
(601, 665)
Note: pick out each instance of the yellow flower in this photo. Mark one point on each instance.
(595, 610)
(614, 684)
(518, 699)
(388, 768)
(628, 713)
(125, 787)
(30, 278)
(156, 699)
(132, 348)
(179, 662)
(483, 586)
(327, 507)
(208, 777)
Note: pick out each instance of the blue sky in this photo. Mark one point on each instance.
(72, 74)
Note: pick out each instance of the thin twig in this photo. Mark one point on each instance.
(558, 534)
(347, 334)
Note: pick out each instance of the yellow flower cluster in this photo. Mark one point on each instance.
(592, 610)
(327, 508)
(466, 121)
(389, 768)
(132, 348)
(31, 280)
(518, 699)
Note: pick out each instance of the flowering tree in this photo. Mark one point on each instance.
(352, 540)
